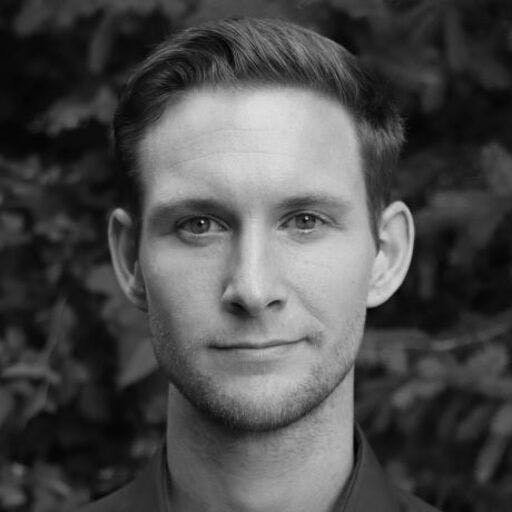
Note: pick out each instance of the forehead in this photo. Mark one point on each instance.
(251, 143)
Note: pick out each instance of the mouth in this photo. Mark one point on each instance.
(256, 345)
(249, 357)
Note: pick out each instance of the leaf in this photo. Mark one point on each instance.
(94, 404)
(32, 371)
(487, 70)
(155, 408)
(432, 368)
(141, 364)
(496, 387)
(415, 390)
(13, 222)
(32, 15)
(101, 279)
(388, 347)
(395, 361)
(15, 341)
(496, 164)
(37, 403)
(72, 112)
(61, 321)
(425, 17)
(49, 487)
(174, 9)
(11, 496)
(501, 423)
(39, 15)
(400, 475)
(417, 70)
(7, 404)
(12, 230)
(455, 39)
(490, 361)
(474, 424)
(472, 215)
(383, 339)
(215, 9)
(75, 377)
(124, 321)
(100, 44)
(489, 457)
(361, 8)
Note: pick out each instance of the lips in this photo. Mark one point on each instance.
(256, 345)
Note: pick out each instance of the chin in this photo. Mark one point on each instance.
(267, 408)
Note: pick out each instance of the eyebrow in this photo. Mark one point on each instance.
(164, 210)
(314, 200)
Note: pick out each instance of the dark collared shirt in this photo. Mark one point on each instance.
(367, 490)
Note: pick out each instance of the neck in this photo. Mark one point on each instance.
(301, 467)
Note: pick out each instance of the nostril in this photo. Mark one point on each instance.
(241, 307)
(237, 308)
(250, 290)
(245, 308)
(277, 303)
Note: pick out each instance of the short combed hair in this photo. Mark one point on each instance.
(249, 52)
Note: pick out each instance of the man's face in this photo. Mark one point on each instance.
(256, 251)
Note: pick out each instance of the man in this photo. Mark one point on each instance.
(257, 230)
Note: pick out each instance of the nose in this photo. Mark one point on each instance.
(253, 285)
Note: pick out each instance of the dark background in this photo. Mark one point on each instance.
(81, 406)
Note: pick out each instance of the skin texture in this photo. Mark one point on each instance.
(256, 231)
(254, 275)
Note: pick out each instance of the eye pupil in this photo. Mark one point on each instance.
(200, 225)
(306, 221)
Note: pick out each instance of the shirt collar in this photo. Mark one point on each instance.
(367, 487)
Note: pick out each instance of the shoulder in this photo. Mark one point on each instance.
(371, 488)
(118, 501)
(410, 503)
(145, 492)
(110, 503)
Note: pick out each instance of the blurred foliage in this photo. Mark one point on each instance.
(81, 405)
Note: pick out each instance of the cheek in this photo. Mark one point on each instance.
(178, 286)
(334, 284)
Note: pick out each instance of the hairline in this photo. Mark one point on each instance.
(374, 212)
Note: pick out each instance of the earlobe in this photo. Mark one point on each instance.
(123, 251)
(396, 236)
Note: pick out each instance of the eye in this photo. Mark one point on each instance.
(199, 226)
(304, 222)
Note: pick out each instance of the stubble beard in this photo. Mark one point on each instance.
(235, 411)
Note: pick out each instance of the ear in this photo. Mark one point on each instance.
(396, 237)
(123, 251)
